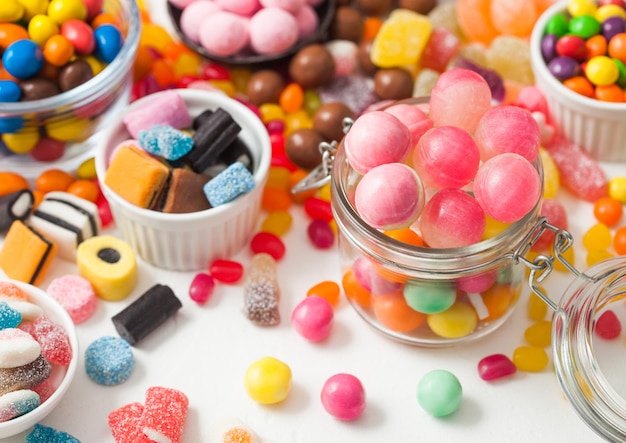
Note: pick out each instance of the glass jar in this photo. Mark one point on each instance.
(73, 118)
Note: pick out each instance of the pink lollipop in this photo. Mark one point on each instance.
(446, 157)
(507, 187)
(508, 128)
(460, 97)
(389, 196)
(224, 33)
(376, 138)
(273, 30)
(451, 219)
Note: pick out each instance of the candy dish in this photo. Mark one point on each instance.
(78, 114)
(190, 241)
(325, 12)
(58, 315)
(598, 127)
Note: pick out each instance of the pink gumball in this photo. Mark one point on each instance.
(224, 33)
(313, 318)
(273, 30)
(307, 22)
(446, 157)
(507, 187)
(376, 138)
(389, 196)
(343, 396)
(452, 219)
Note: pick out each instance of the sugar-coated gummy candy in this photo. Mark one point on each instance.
(439, 392)
(53, 339)
(229, 184)
(75, 294)
(268, 380)
(495, 366)
(16, 403)
(164, 414)
(125, 424)
(47, 434)
(24, 377)
(164, 108)
(343, 396)
(9, 317)
(109, 361)
(313, 318)
(18, 348)
(29, 311)
(261, 291)
(165, 141)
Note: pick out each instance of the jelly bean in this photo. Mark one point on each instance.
(495, 366)
(63, 10)
(226, 86)
(271, 111)
(268, 380)
(320, 234)
(201, 288)
(268, 243)
(595, 256)
(354, 290)
(343, 396)
(22, 141)
(406, 235)
(213, 71)
(326, 289)
(291, 98)
(41, 28)
(497, 300)
(617, 189)
(277, 142)
(429, 297)
(298, 119)
(277, 223)
(80, 35)
(439, 392)
(539, 334)
(226, 271)
(458, 321)
(11, 182)
(530, 359)
(393, 312)
(109, 42)
(608, 210)
(537, 308)
(278, 178)
(313, 318)
(275, 126)
(58, 50)
(619, 241)
(597, 237)
(23, 59)
(53, 180)
(275, 199)
(316, 208)
(608, 325)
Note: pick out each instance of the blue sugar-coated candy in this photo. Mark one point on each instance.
(229, 184)
(109, 42)
(9, 317)
(9, 91)
(109, 360)
(46, 434)
(23, 58)
(166, 141)
(17, 403)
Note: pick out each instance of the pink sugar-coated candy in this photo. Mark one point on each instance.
(608, 326)
(579, 172)
(495, 366)
(446, 157)
(442, 46)
(272, 31)
(313, 318)
(125, 424)
(344, 53)
(76, 295)
(452, 218)
(508, 128)
(343, 396)
(307, 20)
(9, 290)
(477, 283)
(292, 6)
(556, 215)
(47, 387)
(241, 7)
(376, 138)
(167, 108)
(53, 339)
(507, 187)
(164, 414)
(414, 118)
(17, 348)
(224, 33)
(460, 97)
(201, 288)
(389, 196)
(193, 16)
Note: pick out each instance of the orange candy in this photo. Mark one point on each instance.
(355, 291)
(608, 210)
(474, 18)
(103, 18)
(58, 50)
(294, 178)
(9, 33)
(513, 17)
(619, 241)
(275, 199)
(326, 289)
(53, 180)
(393, 312)
(609, 93)
(143, 63)
(163, 73)
(371, 26)
(11, 182)
(617, 47)
(406, 235)
(580, 85)
(596, 46)
(497, 300)
(85, 189)
(291, 97)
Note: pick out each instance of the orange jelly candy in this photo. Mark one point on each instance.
(326, 289)
(355, 291)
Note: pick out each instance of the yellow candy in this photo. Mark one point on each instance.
(456, 322)
(539, 334)
(581, 7)
(297, 120)
(187, 64)
(493, 227)
(96, 65)
(597, 237)
(87, 169)
(271, 111)
(278, 177)
(324, 192)
(601, 71)
(11, 11)
(551, 175)
(154, 36)
(21, 142)
(41, 28)
(617, 189)
(70, 129)
(277, 222)
(240, 77)
(597, 255)
(537, 308)
(226, 86)
(33, 8)
(401, 39)
(268, 380)
(608, 11)
(530, 359)
(63, 10)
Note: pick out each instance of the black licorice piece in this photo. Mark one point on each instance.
(15, 206)
(238, 151)
(147, 313)
(212, 138)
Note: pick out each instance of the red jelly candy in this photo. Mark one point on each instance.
(318, 208)
(226, 271)
(201, 288)
(268, 243)
(125, 424)
(495, 366)
(164, 414)
(320, 234)
(53, 339)
(104, 211)
(608, 325)
(278, 144)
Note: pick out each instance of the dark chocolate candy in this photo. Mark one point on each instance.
(147, 313)
(185, 192)
(419, 6)
(375, 7)
(15, 206)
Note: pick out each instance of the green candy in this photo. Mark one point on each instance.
(584, 26)
(429, 297)
(557, 25)
(439, 392)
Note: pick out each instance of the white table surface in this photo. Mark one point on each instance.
(205, 350)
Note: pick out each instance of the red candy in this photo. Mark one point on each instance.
(268, 243)
(201, 288)
(495, 366)
(53, 339)
(316, 208)
(125, 424)
(320, 234)
(608, 326)
(226, 271)
(164, 414)
(80, 36)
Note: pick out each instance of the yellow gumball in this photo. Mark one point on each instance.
(268, 380)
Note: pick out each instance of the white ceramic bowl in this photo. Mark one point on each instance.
(57, 314)
(187, 242)
(596, 126)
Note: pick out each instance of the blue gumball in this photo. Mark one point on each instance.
(23, 59)
(109, 42)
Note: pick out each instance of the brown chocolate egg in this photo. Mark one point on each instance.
(419, 6)
(328, 120)
(364, 59)
(302, 148)
(264, 86)
(74, 74)
(393, 84)
(348, 24)
(37, 88)
(312, 66)
(375, 7)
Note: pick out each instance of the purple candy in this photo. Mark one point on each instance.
(563, 67)
(548, 47)
(612, 26)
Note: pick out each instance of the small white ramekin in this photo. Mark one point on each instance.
(189, 242)
(596, 126)
(57, 314)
